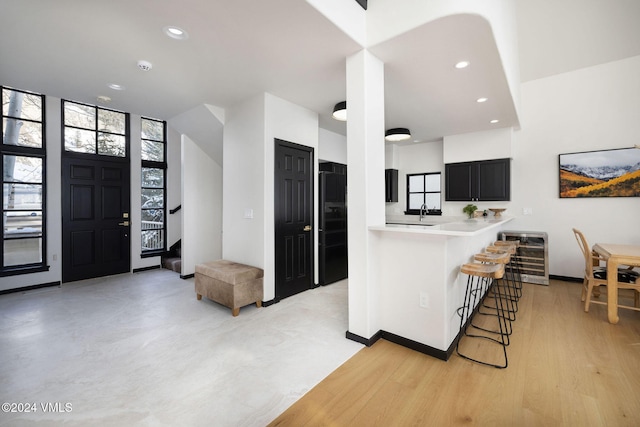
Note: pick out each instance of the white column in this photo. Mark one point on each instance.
(365, 186)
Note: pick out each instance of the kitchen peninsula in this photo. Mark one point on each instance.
(418, 276)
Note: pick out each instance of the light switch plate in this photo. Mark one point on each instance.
(248, 213)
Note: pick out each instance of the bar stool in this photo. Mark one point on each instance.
(478, 273)
(507, 309)
(513, 288)
(516, 265)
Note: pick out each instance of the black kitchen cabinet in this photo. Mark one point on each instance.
(487, 180)
(391, 185)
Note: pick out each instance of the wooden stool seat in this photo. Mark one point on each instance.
(491, 271)
(502, 249)
(515, 243)
(493, 258)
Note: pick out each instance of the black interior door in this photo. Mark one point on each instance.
(293, 218)
(95, 218)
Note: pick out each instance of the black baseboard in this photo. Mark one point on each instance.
(414, 345)
(566, 278)
(30, 288)
(187, 276)
(405, 342)
(362, 340)
(270, 302)
(138, 270)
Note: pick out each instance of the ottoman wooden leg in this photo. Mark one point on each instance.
(258, 303)
(199, 297)
(235, 311)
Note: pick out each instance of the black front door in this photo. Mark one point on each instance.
(95, 218)
(293, 218)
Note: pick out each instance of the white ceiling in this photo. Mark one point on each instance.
(237, 49)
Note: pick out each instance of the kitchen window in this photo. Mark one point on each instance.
(23, 241)
(153, 187)
(424, 189)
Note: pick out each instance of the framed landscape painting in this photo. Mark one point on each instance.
(606, 173)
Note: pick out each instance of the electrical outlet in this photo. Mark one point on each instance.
(424, 300)
(527, 211)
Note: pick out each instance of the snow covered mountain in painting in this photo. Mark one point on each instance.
(604, 173)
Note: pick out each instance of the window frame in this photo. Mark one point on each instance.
(25, 151)
(409, 211)
(155, 165)
(97, 131)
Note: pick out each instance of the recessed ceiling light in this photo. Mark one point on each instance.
(462, 64)
(175, 32)
(482, 99)
(494, 121)
(116, 86)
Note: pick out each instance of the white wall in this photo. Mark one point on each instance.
(484, 145)
(415, 158)
(249, 134)
(201, 207)
(243, 154)
(332, 147)
(594, 108)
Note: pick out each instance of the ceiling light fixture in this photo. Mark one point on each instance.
(480, 100)
(116, 86)
(462, 64)
(175, 32)
(340, 111)
(145, 65)
(397, 134)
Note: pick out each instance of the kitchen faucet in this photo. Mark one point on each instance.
(424, 209)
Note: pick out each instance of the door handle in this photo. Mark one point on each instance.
(125, 224)
(307, 228)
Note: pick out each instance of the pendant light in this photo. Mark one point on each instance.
(397, 134)
(340, 111)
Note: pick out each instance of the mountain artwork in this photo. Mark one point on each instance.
(607, 173)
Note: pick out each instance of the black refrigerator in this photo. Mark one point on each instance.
(333, 223)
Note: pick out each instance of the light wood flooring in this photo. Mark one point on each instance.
(566, 368)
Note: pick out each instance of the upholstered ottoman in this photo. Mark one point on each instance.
(229, 283)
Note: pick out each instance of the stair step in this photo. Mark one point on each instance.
(173, 263)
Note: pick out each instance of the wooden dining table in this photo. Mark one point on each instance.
(616, 255)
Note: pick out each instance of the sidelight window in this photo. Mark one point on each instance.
(424, 189)
(153, 186)
(22, 243)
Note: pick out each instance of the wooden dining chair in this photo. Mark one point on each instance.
(595, 276)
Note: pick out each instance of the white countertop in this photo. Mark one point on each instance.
(441, 225)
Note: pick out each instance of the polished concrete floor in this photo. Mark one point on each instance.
(139, 349)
